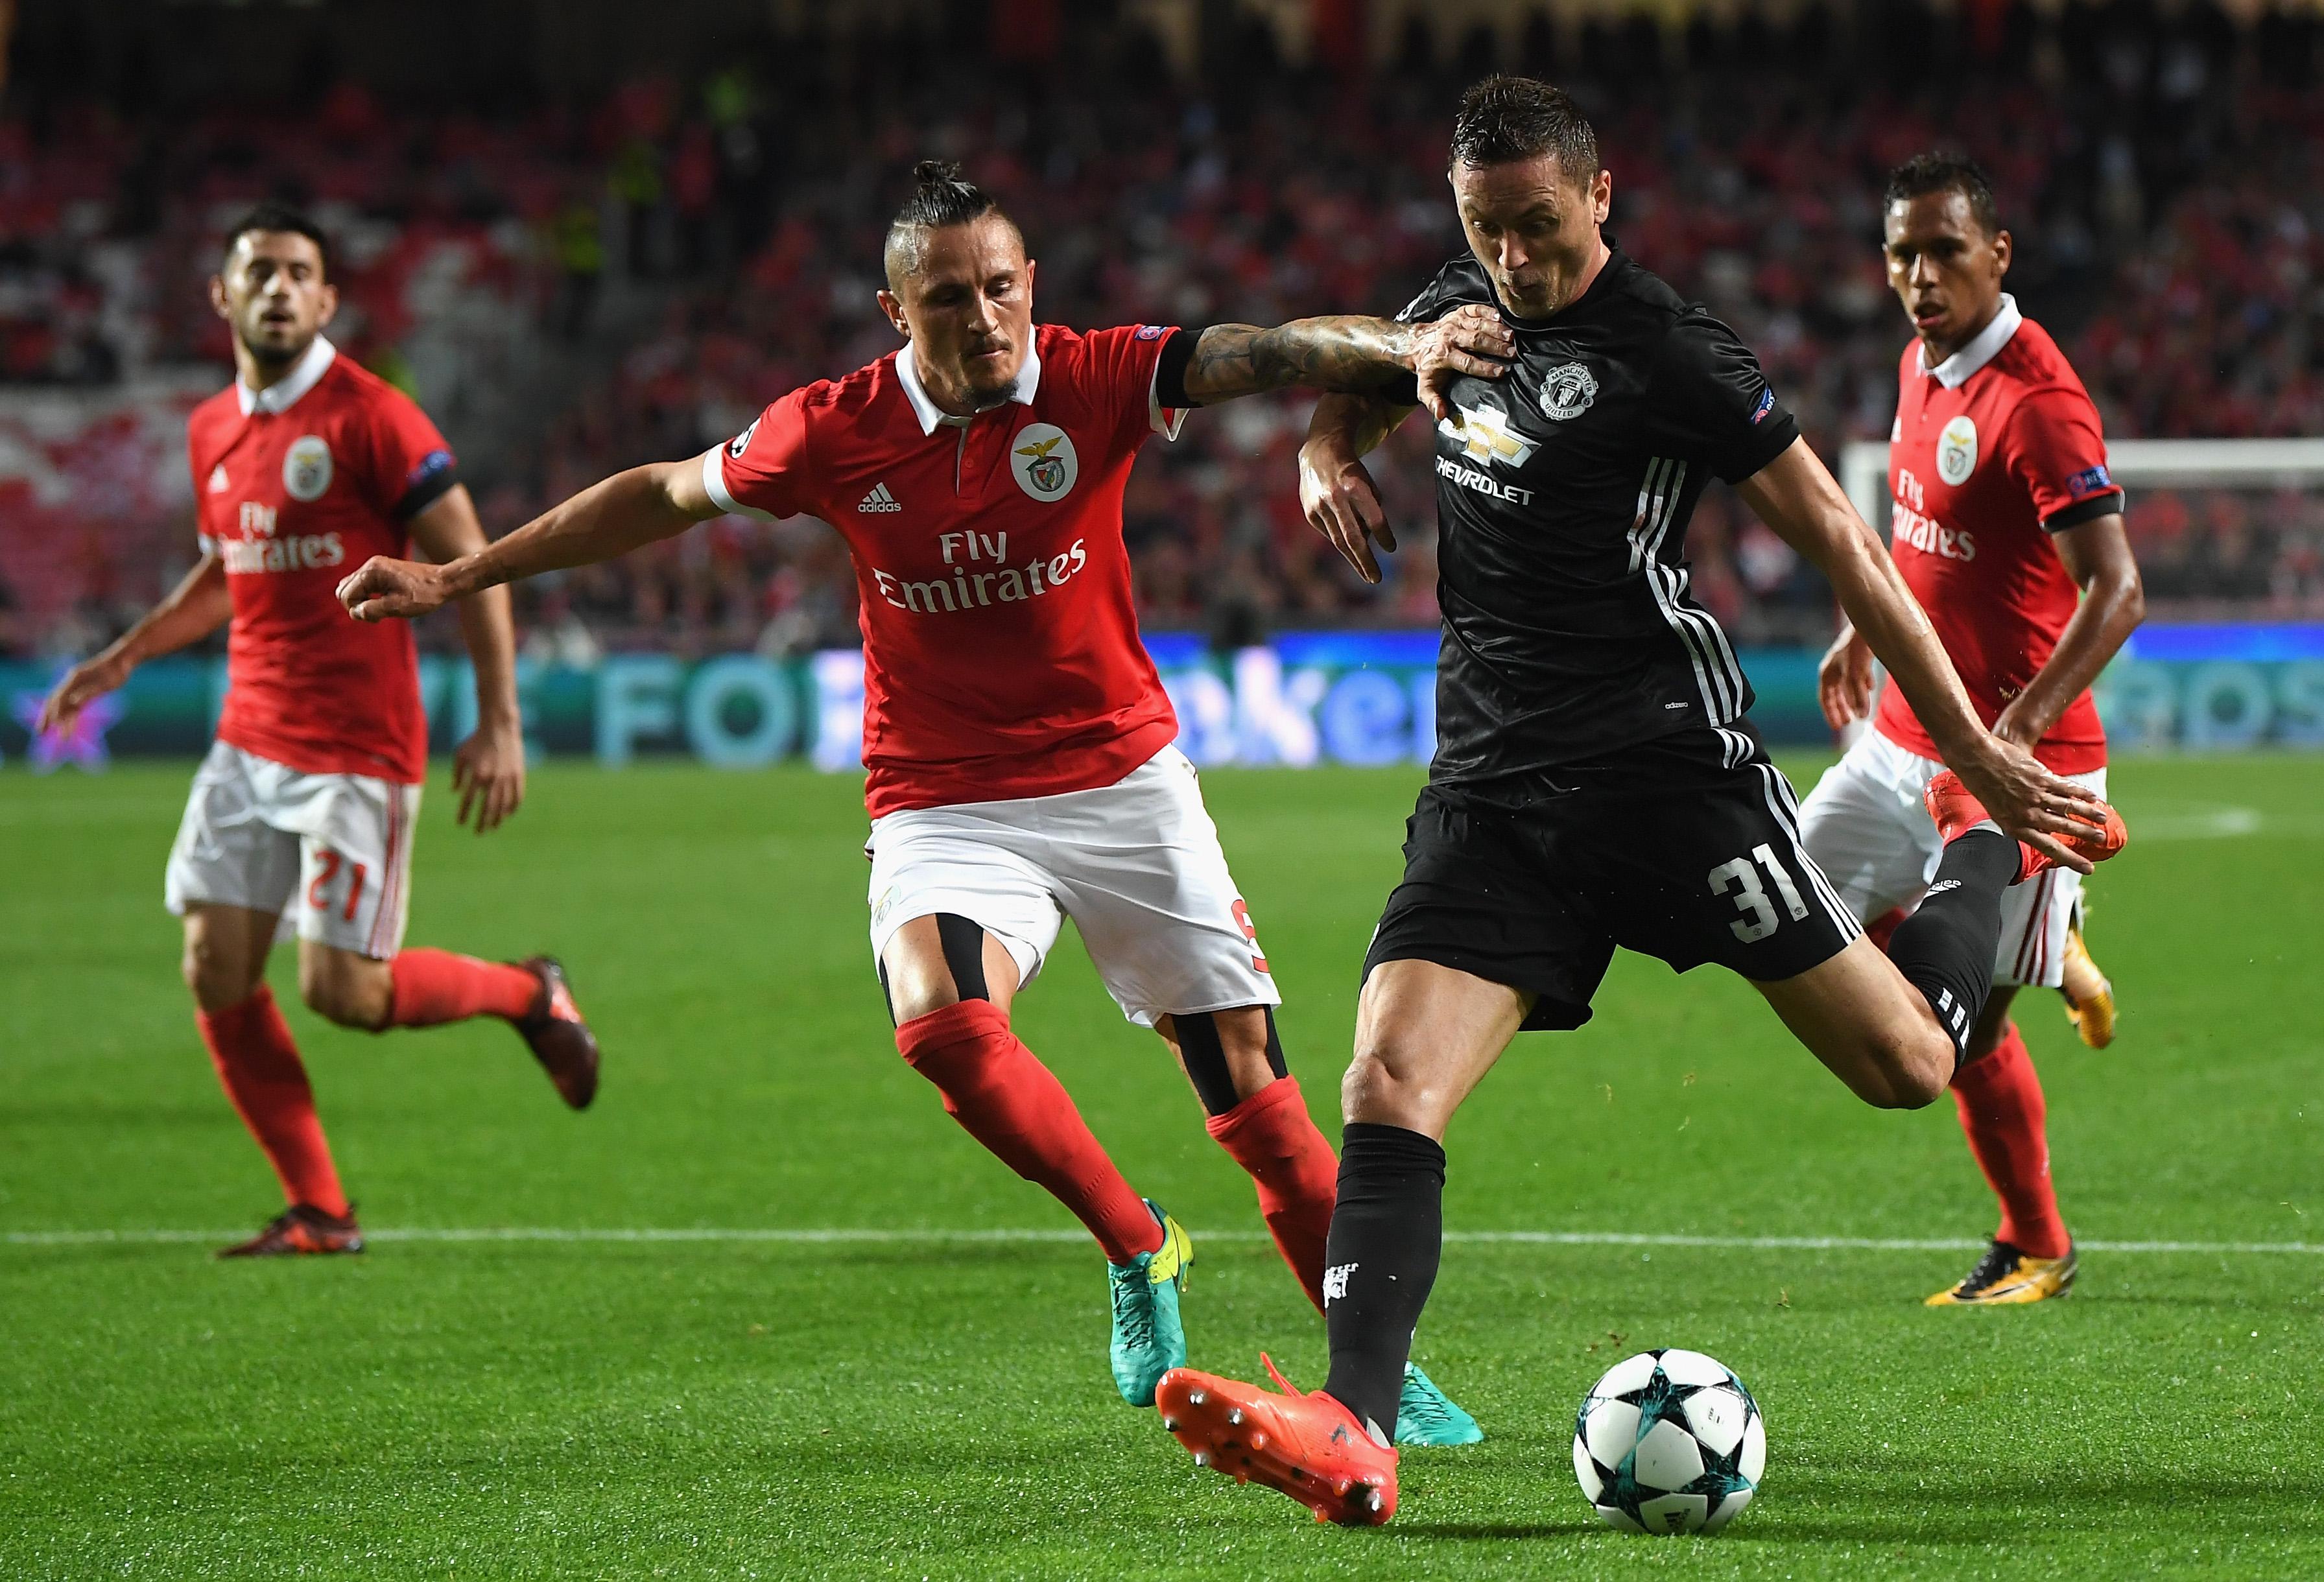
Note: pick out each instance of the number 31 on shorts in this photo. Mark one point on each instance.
(1740, 880)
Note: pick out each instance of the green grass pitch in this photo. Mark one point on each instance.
(938, 1406)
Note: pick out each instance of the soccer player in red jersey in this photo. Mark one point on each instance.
(2009, 531)
(1017, 740)
(301, 816)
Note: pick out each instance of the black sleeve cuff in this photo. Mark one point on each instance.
(1773, 440)
(2110, 503)
(1170, 372)
(424, 493)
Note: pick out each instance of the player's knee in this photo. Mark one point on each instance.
(1905, 1068)
(349, 998)
(216, 979)
(1375, 1091)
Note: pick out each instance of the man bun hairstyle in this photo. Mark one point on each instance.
(1944, 171)
(282, 217)
(942, 195)
(1506, 119)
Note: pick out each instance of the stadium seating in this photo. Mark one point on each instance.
(2176, 255)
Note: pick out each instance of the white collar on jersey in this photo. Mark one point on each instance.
(931, 416)
(1983, 347)
(280, 396)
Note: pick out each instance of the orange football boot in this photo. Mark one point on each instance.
(1308, 1447)
(1957, 812)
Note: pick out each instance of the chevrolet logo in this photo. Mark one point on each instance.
(1485, 435)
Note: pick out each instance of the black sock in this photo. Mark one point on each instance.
(1379, 1263)
(1946, 949)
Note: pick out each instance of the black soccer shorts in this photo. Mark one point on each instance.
(1687, 847)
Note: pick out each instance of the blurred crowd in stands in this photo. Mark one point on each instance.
(2164, 178)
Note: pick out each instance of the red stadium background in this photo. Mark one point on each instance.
(590, 234)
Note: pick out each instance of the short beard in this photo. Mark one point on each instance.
(273, 361)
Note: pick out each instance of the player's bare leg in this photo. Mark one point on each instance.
(1869, 1026)
(950, 985)
(422, 988)
(224, 966)
(1426, 1036)
(1999, 1096)
(1257, 1112)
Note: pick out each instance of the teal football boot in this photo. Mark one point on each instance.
(1425, 1415)
(1148, 1340)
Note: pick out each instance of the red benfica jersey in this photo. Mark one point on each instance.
(1994, 449)
(296, 485)
(1001, 651)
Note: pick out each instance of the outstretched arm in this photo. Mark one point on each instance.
(604, 521)
(1796, 497)
(488, 768)
(1344, 352)
(197, 606)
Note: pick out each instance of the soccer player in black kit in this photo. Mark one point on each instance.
(1597, 781)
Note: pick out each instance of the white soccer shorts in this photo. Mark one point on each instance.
(329, 854)
(1866, 828)
(1135, 865)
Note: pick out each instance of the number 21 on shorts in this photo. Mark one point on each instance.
(1740, 880)
(329, 870)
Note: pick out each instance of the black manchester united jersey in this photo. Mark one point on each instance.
(1564, 497)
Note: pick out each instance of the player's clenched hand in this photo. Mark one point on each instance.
(1844, 679)
(2032, 804)
(382, 589)
(1337, 494)
(488, 772)
(1470, 340)
(90, 679)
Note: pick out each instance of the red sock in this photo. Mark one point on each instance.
(2001, 1108)
(1271, 1136)
(249, 1045)
(1007, 1099)
(433, 987)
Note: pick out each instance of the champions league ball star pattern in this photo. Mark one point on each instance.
(1669, 1441)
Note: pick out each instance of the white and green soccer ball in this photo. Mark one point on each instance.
(1669, 1441)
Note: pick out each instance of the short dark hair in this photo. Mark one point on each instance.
(1505, 119)
(282, 217)
(941, 197)
(1941, 171)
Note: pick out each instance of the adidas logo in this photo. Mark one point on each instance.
(879, 500)
(218, 485)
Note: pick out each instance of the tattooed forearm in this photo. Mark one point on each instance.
(1346, 353)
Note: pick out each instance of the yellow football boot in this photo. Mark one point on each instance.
(2006, 1276)
(2090, 997)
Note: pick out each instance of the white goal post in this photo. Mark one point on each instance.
(2217, 464)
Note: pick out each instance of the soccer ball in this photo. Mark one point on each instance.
(1669, 1441)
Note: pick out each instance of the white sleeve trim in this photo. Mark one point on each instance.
(1166, 421)
(713, 484)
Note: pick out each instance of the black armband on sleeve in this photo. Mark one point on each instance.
(1170, 372)
(426, 485)
(2110, 503)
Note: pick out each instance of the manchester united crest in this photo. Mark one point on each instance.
(1567, 392)
(1042, 457)
(307, 467)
